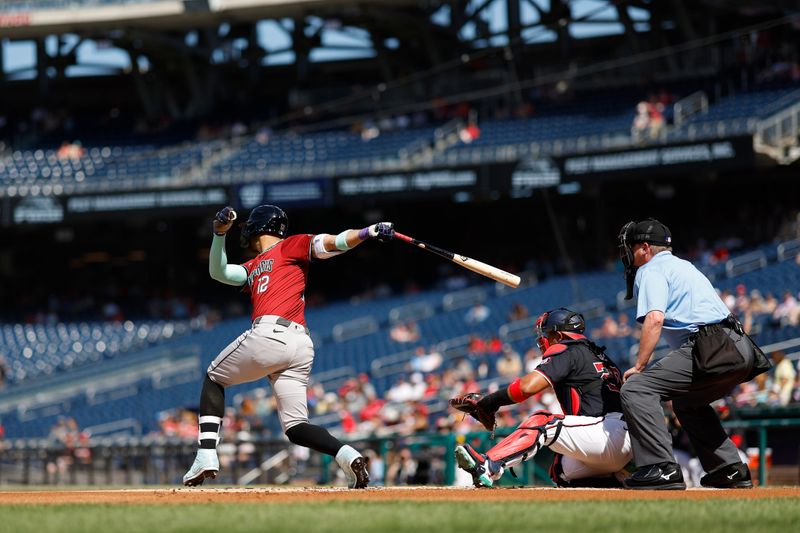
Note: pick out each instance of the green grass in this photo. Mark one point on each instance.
(686, 516)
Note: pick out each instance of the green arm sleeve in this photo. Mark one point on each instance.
(218, 265)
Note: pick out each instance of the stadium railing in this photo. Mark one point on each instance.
(161, 460)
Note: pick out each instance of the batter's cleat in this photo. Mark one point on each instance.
(206, 465)
(661, 476)
(478, 466)
(734, 476)
(357, 474)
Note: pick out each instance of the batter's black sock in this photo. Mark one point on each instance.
(314, 437)
(212, 408)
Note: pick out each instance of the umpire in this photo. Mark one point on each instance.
(710, 354)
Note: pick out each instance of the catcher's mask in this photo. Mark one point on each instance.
(264, 219)
(651, 231)
(570, 323)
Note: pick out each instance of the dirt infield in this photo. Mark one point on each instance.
(180, 496)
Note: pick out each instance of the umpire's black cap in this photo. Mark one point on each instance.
(651, 231)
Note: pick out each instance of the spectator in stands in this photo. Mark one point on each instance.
(377, 469)
(476, 346)
(3, 371)
(367, 389)
(518, 312)
(401, 391)
(624, 328)
(742, 301)
(786, 313)
(434, 383)
(404, 332)
(509, 365)
(729, 299)
(70, 150)
(655, 110)
(495, 345)
(463, 368)
(641, 123)
(418, 386)
(402, 468)
(784, 377)
(608, 329)
(414, 419)
(353, 395)
(532, 358)
(477, 314)
(425, 361)
(758, 304)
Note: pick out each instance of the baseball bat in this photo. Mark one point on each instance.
(506, 278)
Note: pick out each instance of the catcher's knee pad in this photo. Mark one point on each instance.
(528, 438)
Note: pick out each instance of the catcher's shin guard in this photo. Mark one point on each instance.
(528, 438)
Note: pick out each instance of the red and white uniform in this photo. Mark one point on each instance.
(276, 279)
(277, 346)
(590, 438)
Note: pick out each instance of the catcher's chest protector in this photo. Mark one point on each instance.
(585, 380)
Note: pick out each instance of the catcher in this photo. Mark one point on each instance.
(590, 439)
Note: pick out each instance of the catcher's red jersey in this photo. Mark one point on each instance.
(276, 279)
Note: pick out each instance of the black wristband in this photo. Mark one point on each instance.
(496, 400)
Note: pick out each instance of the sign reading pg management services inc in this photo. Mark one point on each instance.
(726, 153)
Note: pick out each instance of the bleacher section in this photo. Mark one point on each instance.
(737, 115)
(592, 124)
(134, 388)
(35, 351)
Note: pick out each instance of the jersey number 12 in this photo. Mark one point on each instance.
(263, 281)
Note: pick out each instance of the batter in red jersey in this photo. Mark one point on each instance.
(278, 345)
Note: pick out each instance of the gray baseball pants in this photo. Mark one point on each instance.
(276, 348)
(672, 378)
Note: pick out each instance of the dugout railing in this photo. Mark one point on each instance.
(162, 461)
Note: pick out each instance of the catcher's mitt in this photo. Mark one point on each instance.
(469, 404)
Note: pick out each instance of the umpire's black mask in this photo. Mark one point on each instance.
(651, 231)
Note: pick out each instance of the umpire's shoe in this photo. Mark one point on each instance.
(478, 466)
(733, 476)
(206, 465)
(661, 476)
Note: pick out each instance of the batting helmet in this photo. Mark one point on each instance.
(570, 323)
(264, 219)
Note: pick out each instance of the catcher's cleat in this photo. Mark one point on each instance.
(206, 465)
(357, 474)
(477, 465)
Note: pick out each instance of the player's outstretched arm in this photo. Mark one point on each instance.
(218, 266)
(326, 246)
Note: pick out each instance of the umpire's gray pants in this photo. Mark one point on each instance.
(672, 378)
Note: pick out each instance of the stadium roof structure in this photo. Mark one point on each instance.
(398, 51)
(32, 19)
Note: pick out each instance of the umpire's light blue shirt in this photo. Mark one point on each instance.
(680, 291)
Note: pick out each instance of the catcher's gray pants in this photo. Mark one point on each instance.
(273, 347)
(671, 378)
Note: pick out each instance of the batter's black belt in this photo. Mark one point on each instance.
(279, 320)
